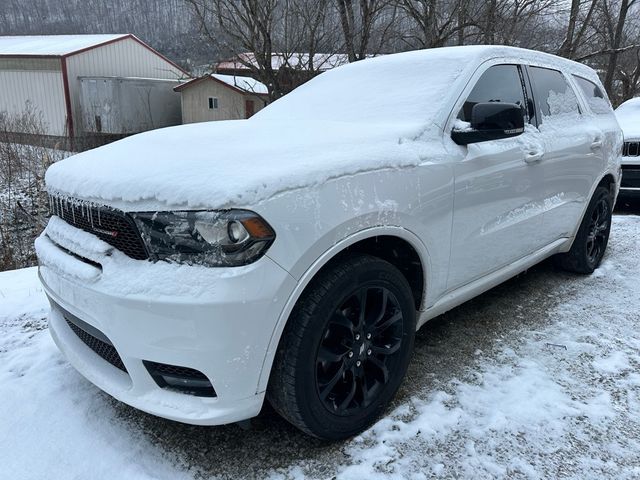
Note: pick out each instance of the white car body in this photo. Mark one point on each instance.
(628, 115)
(473, 215)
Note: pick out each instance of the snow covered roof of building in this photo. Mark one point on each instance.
(52, 45)
(244, 84)
(293, 60)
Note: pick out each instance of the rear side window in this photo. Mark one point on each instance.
(597, 100)
(553, 95)
(500, 83)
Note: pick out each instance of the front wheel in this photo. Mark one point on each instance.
(592, 238)
(346, 348)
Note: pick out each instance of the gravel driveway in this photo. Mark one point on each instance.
(538, 378)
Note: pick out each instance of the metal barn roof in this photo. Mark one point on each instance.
(52, 45)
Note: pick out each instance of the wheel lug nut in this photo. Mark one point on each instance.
(358, 363)
(368, 336)
(350, 354)
(369, 352)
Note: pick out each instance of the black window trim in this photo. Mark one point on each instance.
(535, 121)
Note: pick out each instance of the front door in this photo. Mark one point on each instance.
(249, 108)
(497, 210)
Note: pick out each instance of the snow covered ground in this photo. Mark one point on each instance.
(538, 378)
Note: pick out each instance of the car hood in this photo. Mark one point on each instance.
(630, 125)
(231, 163)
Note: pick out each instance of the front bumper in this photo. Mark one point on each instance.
(630, 184)
(216, 321)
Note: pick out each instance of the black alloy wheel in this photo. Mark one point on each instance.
(598, 231)
(360, 346)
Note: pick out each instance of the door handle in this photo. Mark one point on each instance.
(597, 143)
(533, 156)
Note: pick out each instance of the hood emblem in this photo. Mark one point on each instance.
(111, 233)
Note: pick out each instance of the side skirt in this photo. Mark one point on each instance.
(475, 288)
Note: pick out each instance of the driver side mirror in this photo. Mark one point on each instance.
(491, 121)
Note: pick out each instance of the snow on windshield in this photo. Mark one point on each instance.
(408, 87)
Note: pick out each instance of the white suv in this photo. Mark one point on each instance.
(195, 271)
(628, 115)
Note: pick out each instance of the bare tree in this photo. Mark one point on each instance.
(436, 21)
(616, 35)
(577, 26)
(359, 20)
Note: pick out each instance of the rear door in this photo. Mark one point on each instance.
(497, 187)
(572, 143)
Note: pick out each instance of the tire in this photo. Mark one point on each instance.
(316, 384)
(593, 235)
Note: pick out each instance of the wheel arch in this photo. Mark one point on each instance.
(608, 180)
(371, 241)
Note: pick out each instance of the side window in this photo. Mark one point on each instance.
(597, 100)
(553, 95)
(500, 83)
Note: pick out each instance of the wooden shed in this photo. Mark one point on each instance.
(221, 97)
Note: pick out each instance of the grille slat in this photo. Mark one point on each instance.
(102, 349)
(110, 225)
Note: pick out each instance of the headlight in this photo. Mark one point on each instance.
(213, 238)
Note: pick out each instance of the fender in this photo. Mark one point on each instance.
(315, 267)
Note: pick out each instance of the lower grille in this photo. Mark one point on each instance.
(180, 379)
(630, 176)
(101, 347)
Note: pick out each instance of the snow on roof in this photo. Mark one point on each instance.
(294, 60)
(244, 84)
(628, 115)
(410, 87)
(247, 84)
(51, 45)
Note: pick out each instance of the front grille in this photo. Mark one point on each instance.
(103, 349)
(631, 149)
(110, 225)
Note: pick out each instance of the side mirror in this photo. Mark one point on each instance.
(491, 121)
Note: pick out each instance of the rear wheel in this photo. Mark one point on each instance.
(592, 238)
(346, 348)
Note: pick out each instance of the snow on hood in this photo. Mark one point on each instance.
(368, 115)
(222, 164)
(628, 115)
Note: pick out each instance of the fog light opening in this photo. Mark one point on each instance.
(180, 379)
